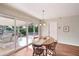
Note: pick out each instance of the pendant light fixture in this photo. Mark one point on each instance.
(42, 22)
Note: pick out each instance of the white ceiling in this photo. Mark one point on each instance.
(52, 10)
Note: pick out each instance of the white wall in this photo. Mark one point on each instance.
(71, 37)
(44, 30)
(50, 29)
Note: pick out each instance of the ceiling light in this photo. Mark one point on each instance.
(40, 24)
(43, 23)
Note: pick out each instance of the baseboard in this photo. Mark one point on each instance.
(69, 44)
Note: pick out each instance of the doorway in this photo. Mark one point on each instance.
(53, 29)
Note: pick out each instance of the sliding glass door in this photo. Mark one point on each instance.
(21, 39)
(7, 38)
(12, 35)
(32, 31)
(15, 34)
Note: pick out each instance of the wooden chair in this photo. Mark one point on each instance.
(51, 48)
(38, 50)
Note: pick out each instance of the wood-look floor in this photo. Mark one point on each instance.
(61, 50)
(67, 50)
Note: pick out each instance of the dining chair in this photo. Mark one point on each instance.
(38, 50)
(52, 48)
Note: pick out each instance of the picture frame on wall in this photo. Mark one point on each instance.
(66, 29)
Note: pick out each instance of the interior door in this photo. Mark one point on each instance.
(53, 29)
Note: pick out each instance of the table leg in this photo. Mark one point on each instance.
(46, 51)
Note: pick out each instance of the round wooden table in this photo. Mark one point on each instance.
(47, 43)
(44, 42)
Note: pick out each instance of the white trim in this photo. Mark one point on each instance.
(68, 44)
(27, 37)
(15, 32)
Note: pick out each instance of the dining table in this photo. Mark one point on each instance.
(44, 42)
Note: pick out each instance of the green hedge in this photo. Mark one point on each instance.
(23, 30)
